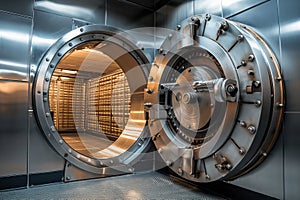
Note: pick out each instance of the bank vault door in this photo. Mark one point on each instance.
(214, 98)
(89, 99)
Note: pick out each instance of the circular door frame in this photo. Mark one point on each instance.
(41, 85)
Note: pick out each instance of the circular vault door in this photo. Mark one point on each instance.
(214, 98)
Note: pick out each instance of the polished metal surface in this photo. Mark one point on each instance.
(225, 66)
(24, 8)
(235, 7)
(29, 29)
(289, 33)
(13, 119)
(15, 44)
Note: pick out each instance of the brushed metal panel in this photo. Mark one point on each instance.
(47, 29)
(14, 46)
(234, 7)
(42, 157)
(173, 13)
(206, 6)
(23, 7)
(268, 177)
(126, 16)
(291, 155)
(13, 128)
(264, 19)
(92, 10)
(290, 34)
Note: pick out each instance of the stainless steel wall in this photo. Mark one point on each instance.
(15, 37)
(278, 22)
(28, 29)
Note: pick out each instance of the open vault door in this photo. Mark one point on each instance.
(213, 101)
(214, 98)
(89, 100)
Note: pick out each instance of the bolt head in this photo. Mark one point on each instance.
(242, 150)
(207, 17)
(240, 38)
(251, 129)
(257, 84)
(251, 58)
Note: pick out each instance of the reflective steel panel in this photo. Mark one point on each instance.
(13, 128)
(15, 32)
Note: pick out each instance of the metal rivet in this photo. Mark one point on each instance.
(258, 103)
(224, 25)
(207, 177)
(251, 58)
(60, 141)
(48, 115)
(264, 154)
(242, 150)
(81, 30)
(68, 178)
(280, 105)
(160, 51)
(131, 170)
(243, 123)
(251, 72)
(168, 163)
(149, 91)
(257, 84)
(243, 63)
(70, 150)
(251, 129)
(111, 162)
(53, 129)
(180, 171)
(70, 44)
(228, 166)
(151, 78)
(170, 35)
(51, 65)
(178, 27)
(240, 38)
(47, 79)
(59, 54)
(278, 78)
(207, 17)
(45, 99)
(47, 59)
(78, 156)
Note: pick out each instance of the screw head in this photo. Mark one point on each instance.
(251, 129)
